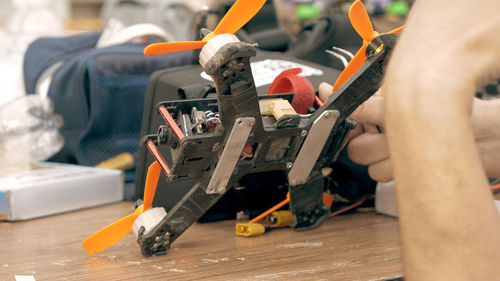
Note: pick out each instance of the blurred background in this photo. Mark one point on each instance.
(21, 21)
(86, 14)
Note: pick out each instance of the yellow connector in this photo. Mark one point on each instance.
(264, 106)
(123, 161)
(282, 218)
(249, 229)
(280, 108)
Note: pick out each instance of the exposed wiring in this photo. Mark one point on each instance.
(210, 120)
(318, 101)
(191, 130)
(268, 212)
(495, 187)
(348, 208)
(343, 51)
(252, 231)
(338, 56)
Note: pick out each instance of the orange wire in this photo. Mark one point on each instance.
(348, 208)
(495, 187)
(318, 101)
(266, 213)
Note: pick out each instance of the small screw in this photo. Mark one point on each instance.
(328, 115)
(289, 165)
(171, 178)
(303, 133)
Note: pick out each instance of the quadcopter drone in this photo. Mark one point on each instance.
(217, 141)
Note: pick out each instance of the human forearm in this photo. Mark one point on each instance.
(449, 224)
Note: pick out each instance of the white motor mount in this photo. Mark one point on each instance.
(214, 44)
(149, 219)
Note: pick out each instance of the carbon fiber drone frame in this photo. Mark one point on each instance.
(299, 148)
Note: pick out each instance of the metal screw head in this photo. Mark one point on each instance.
(328, 115)
(303, 133)
(204, 32)
(289, 165)
(171, 178)
(138, 203)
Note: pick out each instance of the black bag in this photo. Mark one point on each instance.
(99, 93)
(319, 35)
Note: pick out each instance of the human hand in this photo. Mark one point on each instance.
(368, 143)
(449, 224)
(486, 130)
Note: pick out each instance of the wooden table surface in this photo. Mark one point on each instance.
(360, 246)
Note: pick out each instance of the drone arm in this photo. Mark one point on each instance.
(360, 86)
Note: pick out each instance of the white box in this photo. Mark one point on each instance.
(54, 188)
(385, 199)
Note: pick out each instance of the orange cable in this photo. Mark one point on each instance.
(495, 187)
(318, 101)
(266, 213)
(348, 208)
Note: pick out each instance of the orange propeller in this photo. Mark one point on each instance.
(239, 14)
(361, 23)
(114, 232)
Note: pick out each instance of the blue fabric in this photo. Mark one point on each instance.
(46, 51)
(99, 92)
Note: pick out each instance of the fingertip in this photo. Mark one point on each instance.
(325, 90)
(381, 171)
(371, 111)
